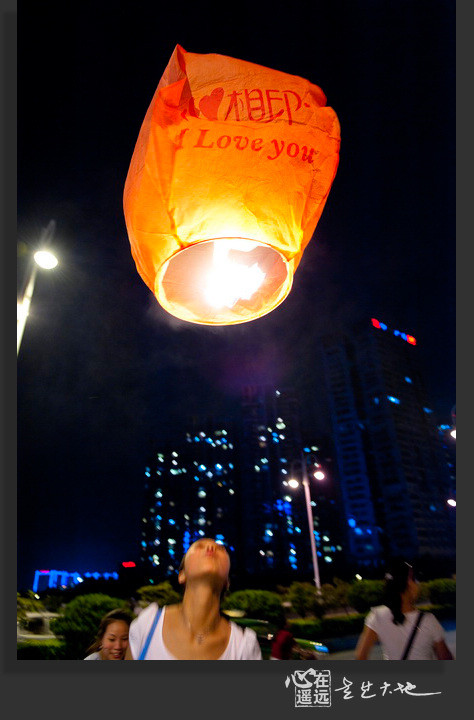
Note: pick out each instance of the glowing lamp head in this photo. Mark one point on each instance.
(293, 483)
(319, 475)
(45, 259)
(453, 433)
(451, 502)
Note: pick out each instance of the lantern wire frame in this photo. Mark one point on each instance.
(223, 281)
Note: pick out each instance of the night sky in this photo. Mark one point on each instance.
(104, 373)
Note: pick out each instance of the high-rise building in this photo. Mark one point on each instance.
(190, 492)
(275, 540)
(231, 482)
(391, 469)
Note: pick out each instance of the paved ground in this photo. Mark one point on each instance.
(377, 653)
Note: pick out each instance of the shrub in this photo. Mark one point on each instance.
(364, 594)
(163, 594)
(336, 596)
(442, 591)
(41, 650)
(261, 604)
(79, 622)
(27, 604)
(303, 599)
(306, 629)
(318, 630)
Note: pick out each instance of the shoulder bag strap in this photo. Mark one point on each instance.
(412, 636)
(150, 635)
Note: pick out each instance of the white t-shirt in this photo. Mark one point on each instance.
(93, 656)
(394, 638)
(242, 645)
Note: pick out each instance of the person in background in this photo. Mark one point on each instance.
(404, 632)
(111, 640)
(283, 642)
(194, 629)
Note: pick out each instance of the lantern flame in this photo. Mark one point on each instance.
(230, 281)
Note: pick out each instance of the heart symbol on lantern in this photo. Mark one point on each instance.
(209, 104)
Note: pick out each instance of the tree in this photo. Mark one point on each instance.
(79, 622)
(163, 594)
(335, 596)
(364, 594)
(27, 604)
(303, 599)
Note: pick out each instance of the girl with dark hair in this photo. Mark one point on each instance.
(404, 632)
(195, 628)
(111, 640)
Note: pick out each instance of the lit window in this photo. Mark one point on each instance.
(256, 468)
(313, 504)
(171, 541)
(202, 508)
(174, 454)
(201, 494)
(327, 558)
(393, 399)
(202, 467)
(201, 521)
(171, 521)
(231, 492)
(376, 400)
(278, 393)
(287, 498)
(325, 537)
(269, 533)
(351, 522)
(408, 380)
(427, 410)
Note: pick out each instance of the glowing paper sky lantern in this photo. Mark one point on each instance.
(230, 174)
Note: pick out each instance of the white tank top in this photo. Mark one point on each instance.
(242, 645)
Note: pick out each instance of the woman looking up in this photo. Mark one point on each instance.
(404, 632)
(195, 628)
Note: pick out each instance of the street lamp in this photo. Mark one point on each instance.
(319, 475)
(45, 260)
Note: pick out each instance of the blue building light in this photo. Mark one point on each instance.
(351, 522)
(427, 410)
(376, 400)
(382, 326)
(358, 531)
(408, 380)
(202, 467)
(393, 399)
(171, 521)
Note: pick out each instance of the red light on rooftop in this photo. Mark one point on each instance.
(44, 571)
(128, 564)
(411, 340)
(375, 323)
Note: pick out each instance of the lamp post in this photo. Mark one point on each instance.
(45, 260)
(319, 475)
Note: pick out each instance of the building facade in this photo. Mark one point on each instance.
(391, 469)
(190, 492)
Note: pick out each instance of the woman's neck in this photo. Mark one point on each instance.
(407, 604)
(200, 606)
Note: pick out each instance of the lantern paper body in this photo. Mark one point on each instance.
(229, 176)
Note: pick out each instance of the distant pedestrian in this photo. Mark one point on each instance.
(111, 641)
(194, 629)
(404, 632)
(283, 642)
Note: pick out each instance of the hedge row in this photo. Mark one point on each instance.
(330, 627)
(41, 650)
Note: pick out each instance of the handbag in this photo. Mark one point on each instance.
(412, 636)
(144, 649)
